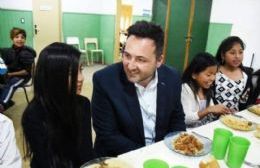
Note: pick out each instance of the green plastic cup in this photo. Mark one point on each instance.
(179, 166)
(155, 163)
(220, 142)
(237, 151)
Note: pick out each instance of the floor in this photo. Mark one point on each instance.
(15, 112)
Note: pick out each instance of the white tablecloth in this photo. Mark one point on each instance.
(160, 151)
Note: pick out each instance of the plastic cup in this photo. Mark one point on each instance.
(220, 142)
(179, 166)
(237, 151)
(155, 163)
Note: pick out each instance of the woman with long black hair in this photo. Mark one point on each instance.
(57, 122)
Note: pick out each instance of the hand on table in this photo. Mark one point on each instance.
(219, 109)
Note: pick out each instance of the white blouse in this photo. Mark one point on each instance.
(192, 105)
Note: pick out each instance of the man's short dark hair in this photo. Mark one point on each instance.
(150, 30)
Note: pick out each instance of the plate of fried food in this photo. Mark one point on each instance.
(237, 122)
(254, 109)
(188, 144)
(106, 162)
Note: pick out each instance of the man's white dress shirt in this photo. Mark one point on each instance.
(147, 97)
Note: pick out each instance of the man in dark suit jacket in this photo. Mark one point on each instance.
(136, 102)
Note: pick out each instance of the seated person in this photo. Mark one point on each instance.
(136, 102)
(9, 153)
(255, 97)
(233, 84)
(196, 92)
(57, 122)
(18, 59)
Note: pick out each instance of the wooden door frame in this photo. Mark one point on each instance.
(166, 29)
(59, 22)
(117, 31)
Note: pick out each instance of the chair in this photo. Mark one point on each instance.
(91, 46)
(29, 83)
(74, 41)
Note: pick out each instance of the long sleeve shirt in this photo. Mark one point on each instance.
(9, 153)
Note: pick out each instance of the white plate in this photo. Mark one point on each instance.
(171, 137)
(108, 162)
(237, 122)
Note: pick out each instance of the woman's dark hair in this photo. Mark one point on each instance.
(15, 31)
(200, 62)
(226, 45)
(150, 30)
(55, 84)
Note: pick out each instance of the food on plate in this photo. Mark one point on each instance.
(255, 109)
(110, 163)
(237, 123)
(209, 162)
(257, 133)
(187, 144)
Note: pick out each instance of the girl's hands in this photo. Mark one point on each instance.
(219, 109)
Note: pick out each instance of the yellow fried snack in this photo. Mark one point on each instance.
(209, 162)
(237, 123)
(187, 144)
(255, 109)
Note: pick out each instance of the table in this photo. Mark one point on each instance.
(160, 151)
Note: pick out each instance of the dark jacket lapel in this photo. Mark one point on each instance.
(133, 104)
(161, 101)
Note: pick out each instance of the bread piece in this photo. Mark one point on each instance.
(209, 162)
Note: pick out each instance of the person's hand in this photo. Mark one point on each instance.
(219, 109)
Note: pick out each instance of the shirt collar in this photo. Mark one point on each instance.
(151, 85)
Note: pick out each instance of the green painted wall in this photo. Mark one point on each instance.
(178, 27)
(200, 27)
(159, 12)
(12, 18)
(80, 25)
(217, 32)
(74, 24)
(136, 18)
(107, 37)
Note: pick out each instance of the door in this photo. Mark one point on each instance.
(46, 22)
(123, 21)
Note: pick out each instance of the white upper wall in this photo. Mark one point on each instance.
(83, 6)
(14, 4)
(89, 6)
(243, 14)
(140, 6)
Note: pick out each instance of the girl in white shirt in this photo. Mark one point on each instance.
(196, 93)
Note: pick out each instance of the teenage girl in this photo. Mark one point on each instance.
(233, 81)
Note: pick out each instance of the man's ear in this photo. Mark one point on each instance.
(159, 61)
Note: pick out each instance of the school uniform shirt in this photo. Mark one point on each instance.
(9, 153)
(229, 92)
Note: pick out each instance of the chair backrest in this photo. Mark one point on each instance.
(30, 83)
(91, 41)
(73, 41)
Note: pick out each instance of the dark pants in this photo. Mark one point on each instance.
(8, 89)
